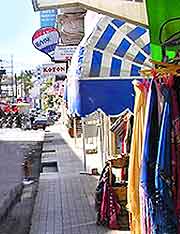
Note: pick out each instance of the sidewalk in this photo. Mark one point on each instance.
(65, 201)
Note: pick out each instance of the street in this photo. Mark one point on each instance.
(17, 199)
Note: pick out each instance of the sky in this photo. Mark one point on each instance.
(18, 23)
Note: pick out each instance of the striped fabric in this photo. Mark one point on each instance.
(115, 48)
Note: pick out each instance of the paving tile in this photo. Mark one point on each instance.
(65, 201)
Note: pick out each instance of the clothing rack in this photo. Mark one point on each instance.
(162, 68)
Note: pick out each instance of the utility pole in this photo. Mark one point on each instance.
(2, 72)
(12, 77)
(16, 91)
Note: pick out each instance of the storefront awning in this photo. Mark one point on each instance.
(114, 48)
(111, 96)
(101, 68)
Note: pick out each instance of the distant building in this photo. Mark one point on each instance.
(6, 87)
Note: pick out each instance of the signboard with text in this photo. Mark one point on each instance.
(54, 69)
(64, 53)
(48, 18)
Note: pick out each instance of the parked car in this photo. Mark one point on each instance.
(40, 122)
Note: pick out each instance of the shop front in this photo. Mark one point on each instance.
(101, 79)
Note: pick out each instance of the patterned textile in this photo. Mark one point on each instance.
(122, 127)
(176, 88)
(157, 207)
(106, 205)
(135, 156)
(175, 146)
(119, 127)
(128, 136)
(164, 221)
(149, 157)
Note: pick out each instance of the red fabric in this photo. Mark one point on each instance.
(123, 151)
(114, 210)
(104, 203)
(110, 209)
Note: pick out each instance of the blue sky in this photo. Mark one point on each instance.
(18, 22)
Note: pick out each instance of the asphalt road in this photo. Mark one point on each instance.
(14, 145)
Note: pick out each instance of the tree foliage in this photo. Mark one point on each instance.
(25, 79)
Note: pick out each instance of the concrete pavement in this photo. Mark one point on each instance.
(65, 199)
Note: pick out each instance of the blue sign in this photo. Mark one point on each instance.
(48, 18)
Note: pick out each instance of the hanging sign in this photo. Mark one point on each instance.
(46, 40)
(63, 53)
(54, 69)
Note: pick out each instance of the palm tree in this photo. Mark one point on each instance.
(25, 79)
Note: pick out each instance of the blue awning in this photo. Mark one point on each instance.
(111, 96)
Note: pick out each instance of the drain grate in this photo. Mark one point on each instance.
(49, 151)
(47, 167)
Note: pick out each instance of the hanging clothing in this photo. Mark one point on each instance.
(176, 87)
(157, 208)
(175, 146)
(149, 157)
(135, 156)
(121, 127)
(164, 220)
(128, 136)
(107, 208)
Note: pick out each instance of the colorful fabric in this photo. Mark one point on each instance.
(119, 127)
(149, 157)
(175, 147)
(164, 213)
(107, 207)
(135, 156)
(128, 136)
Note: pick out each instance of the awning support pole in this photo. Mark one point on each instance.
(75, 132)
(110, 138)
(106, 132)
(101, 138)
(84, 144)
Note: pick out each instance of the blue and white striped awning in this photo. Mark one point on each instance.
(103, 66)
(114, 48)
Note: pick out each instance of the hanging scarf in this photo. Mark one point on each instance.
(149, 157)
(135, 156)
(107, 208)
(175, 146)
(164, 220)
